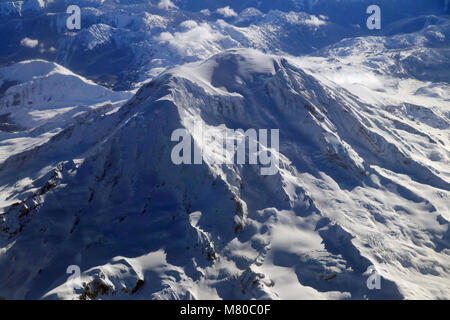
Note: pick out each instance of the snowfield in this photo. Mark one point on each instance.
(363, 167)
(38, 99)
(347, 195)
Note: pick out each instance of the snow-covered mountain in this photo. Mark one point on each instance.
(142, 227)
(38, 99)
(87, 177)
(143, 42)
(122, 43)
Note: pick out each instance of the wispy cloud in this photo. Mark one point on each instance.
(30, 43)
(227, 12)
(167, 4)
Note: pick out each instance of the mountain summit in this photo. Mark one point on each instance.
(104, 194)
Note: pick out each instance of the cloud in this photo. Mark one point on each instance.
(314, 21)
(199, 40)
(188, 24)
(30, 43)
(227, 12)
(166, 5)
(205, 12)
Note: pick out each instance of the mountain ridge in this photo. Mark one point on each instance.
(119, 205)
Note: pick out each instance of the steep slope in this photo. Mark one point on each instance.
(405, 80)
(105, 195)
(38, 99)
